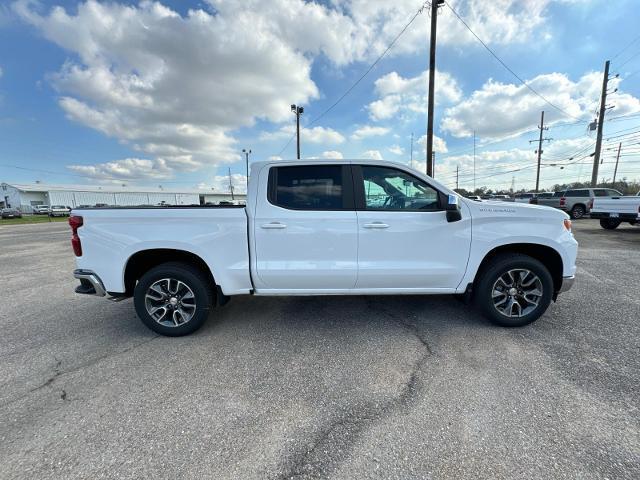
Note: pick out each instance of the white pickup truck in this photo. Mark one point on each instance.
(613, 211)
(326, 228)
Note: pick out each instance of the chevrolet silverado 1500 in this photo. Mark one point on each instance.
(326, 228)
(613, 211)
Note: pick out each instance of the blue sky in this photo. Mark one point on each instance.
(170, 92)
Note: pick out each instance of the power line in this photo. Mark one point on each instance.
(506, 66)
(366, 72)
(628, 60)
(625, 47)
(631, 75)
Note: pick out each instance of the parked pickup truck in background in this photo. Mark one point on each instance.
(41, 210)
(575, 201)
(614, 210)
(326, 228)
(59, 211)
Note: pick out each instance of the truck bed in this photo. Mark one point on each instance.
(623, 208)
(216, 234)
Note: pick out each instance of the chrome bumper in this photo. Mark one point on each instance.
(93, 279)
(567, 283)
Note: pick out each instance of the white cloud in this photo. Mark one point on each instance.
(369, 131)
(439, 145)
(311, 135)
(332, 154)
(396, 149)
(275, 157)
(499, 110)
(372, 154)
(220, 184)
(172, 87)
(175, 87)
(356, 30)
(402, 96)
(126, 169)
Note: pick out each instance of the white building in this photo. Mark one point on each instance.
(26, 196)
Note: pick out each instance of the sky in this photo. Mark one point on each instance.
(170, 92)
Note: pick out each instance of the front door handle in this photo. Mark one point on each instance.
(273, 225)
(376, 225)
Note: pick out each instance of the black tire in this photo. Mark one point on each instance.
(498, 267)
(194, 279)
(578, 211)
(609, 223)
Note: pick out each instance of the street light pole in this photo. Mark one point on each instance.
(246, 155)
(297, 111)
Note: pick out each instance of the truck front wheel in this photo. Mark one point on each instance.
(514, 290)
(173, 299)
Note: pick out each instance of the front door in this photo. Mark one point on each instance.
(306, 232)
(405, 241)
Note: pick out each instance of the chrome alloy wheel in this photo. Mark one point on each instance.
(170, 302)
(517, 293)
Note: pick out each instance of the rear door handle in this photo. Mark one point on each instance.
(376, 225)
(273, 226)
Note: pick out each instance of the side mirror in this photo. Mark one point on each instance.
(453, 209)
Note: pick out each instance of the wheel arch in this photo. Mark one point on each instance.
(144, 260)
(545, 254)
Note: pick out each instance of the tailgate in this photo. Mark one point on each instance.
(616, 205)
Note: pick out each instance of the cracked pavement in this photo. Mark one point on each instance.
(335, 387)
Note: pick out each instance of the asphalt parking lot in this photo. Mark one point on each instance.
(354, 387)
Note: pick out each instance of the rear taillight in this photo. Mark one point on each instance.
(75, 222)
(563, 201)
(590, 204)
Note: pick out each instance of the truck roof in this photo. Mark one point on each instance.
(342, 161)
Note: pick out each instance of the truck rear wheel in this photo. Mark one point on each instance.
(514, 290)
(173, 299)
(609, 224)
(577, 212)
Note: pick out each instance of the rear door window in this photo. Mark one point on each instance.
(312, 187)
(577, 193)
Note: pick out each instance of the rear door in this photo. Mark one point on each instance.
(305, 230)
(405, 241)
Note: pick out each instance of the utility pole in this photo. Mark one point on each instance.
(457, 176)
(411, 161)
(615, 170)
(539, 150)
(432, 74)
(230, 184)
(246, 155)
(603, 100)
(433, 164)
(474, 162)
(297, 111)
